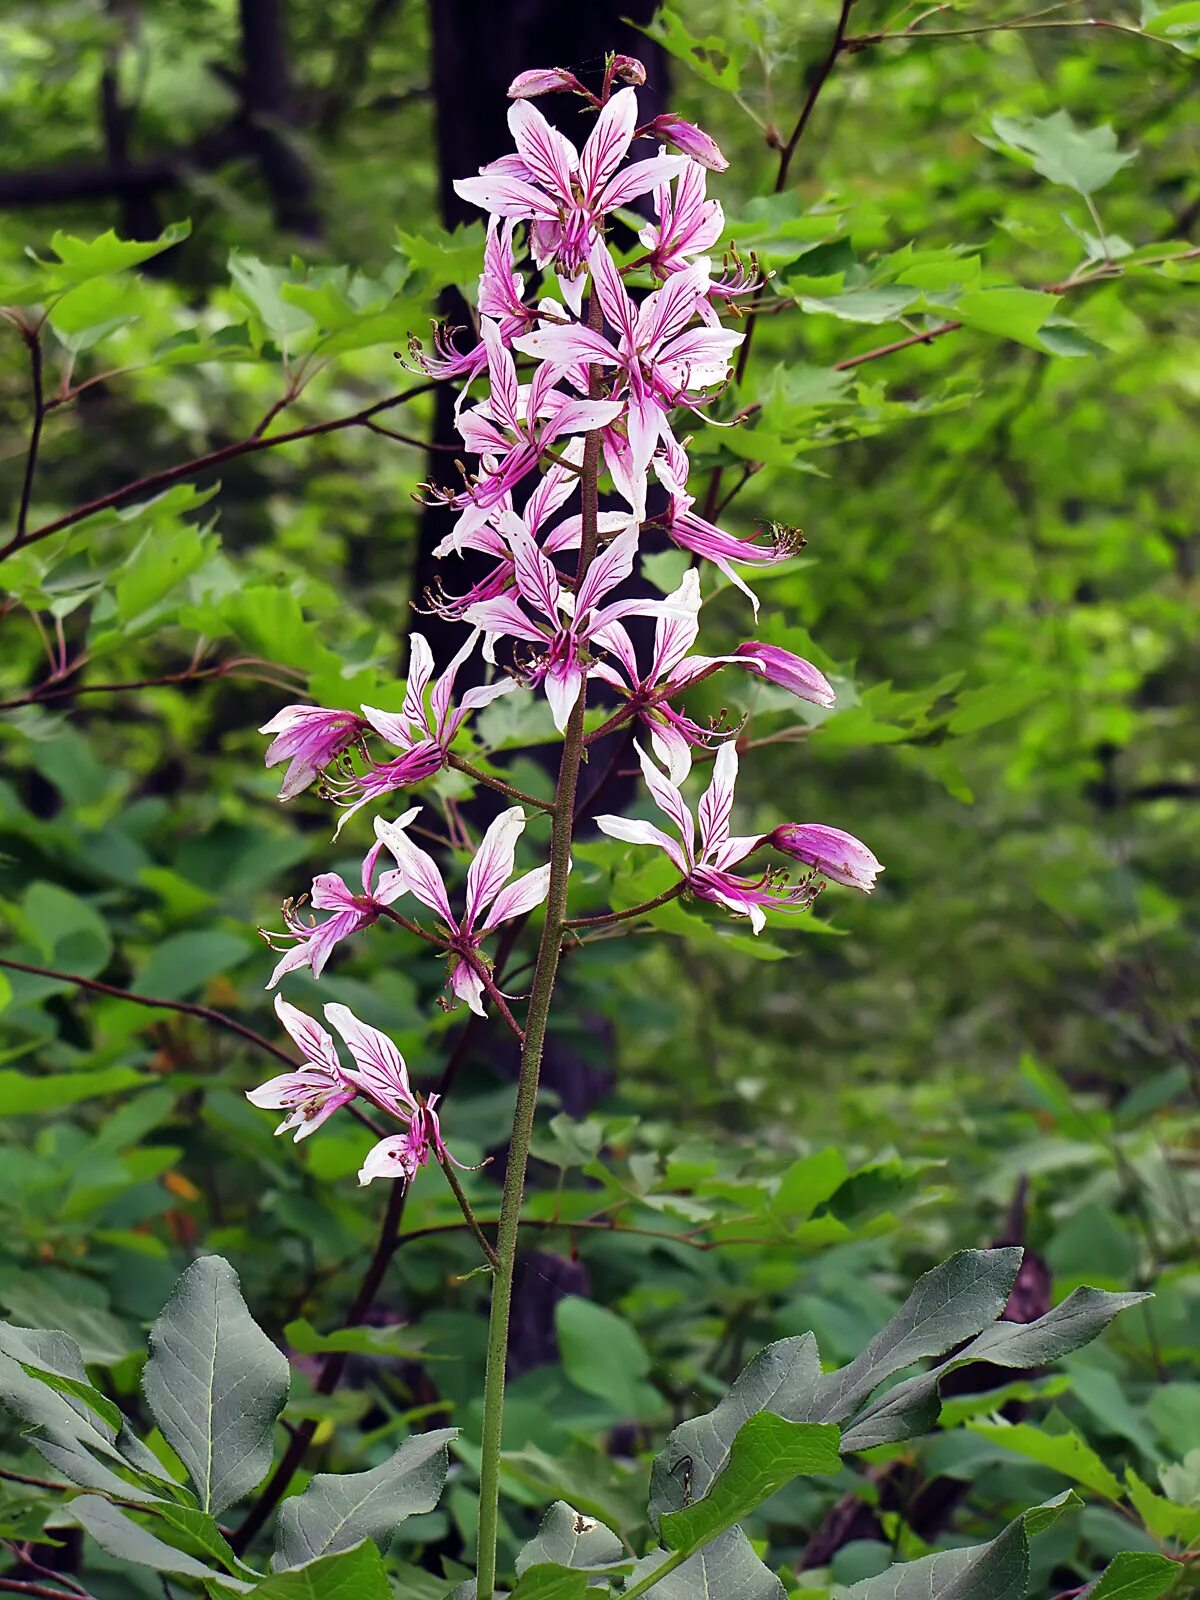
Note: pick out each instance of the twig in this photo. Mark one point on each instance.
(213, 458)
(607, 917)
(33, 341)
(464, 1205)
(50, 691)
(205, 1013)
(500, 786)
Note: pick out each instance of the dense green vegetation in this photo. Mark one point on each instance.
(972, 383)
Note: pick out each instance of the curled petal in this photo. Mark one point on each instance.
(693, 141)
(789, 671)
(837, 855)
(542, 80)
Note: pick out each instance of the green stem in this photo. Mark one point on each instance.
(537, 1016)
(607, 917)
(675, 1559)
(464, 1205)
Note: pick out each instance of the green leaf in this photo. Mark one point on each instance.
(395, 1343)
(81, 259)
(782, 1379)
(258, 286)
(998, 1570)
(1083, 159)
(550, 1582)
(767, 1452)
(603, 1355)
(727, 1567)
(567, 1538)
(183, 964)
(338, 1511)
(710, 58)
(215, 1383)
(1178, 24)
(119, 1535)
(356, 1574)
(1135, 1575)
(864, 305)
(1061, 1452)
(24, 1094)
(911, 1407)
(1008, 313)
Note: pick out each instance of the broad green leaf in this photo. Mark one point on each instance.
(119, 1535)
(864, 305)
(356, 1574)
(1083, 159)
(258, 285)
(567, 1538)
(337, 1511)
(603, 1355)
(728, 1566)
(911, 1407)
(23, 1094)
(215, 1383)
(184, 963)
(1135, 1575)
(395, 1343)
(1008, 313)
(766, 1453)
(1163, 1517)
(1178, 24)
(548, 1581)
(712, 59)
(998, 1570)
(782, 1379)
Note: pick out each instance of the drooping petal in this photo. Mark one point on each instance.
(503, 618)
(837, 855)
(716, 804)
(518, 897)
(381, 1068)
(631, 831)
(314, 1043)
(669, 801)
(789, 671)
(421, 875)
(493, 863)
(401, 1157)
(506, 196)
(562, 686)
(467, 985)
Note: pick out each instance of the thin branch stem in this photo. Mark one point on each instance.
(33, 340)
(213, 458)
(39, 1591)
(464, 1205)
(607, 917)
(205, 1013)
(410, 926)
(500, 786)
(51, 691)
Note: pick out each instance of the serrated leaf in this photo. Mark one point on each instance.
(1083, 159)
(81, 259)
(338, 1511)
(1061, 1452)
(1135, 1575)
(215, 1384)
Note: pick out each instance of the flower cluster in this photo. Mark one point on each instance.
(592, 370)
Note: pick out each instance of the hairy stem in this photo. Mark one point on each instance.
(541, 994)
(464, 1205)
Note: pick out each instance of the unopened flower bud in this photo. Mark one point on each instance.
(693, 141)
(630, 70)
(789, 671)
(839, 856)
(543, 80)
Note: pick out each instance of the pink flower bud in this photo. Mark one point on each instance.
(630, 70)
(693, 141)
(542, 80)
(790, 672)
(840, 856)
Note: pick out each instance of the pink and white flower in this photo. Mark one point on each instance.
(686, 136)
(661, 361)
(350, 913)
(490, 898)
(706, 852)
(312, 1092)
(836, 855)
(423, 731)
(563, 624)
(566, 193)
(309, 738)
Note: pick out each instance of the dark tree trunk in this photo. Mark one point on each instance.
(269, 104)
(478, 49)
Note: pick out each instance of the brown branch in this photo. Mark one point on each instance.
(205, 1013)
(39, 1591)
(33, 340)
(48, 691)
(213, 458)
